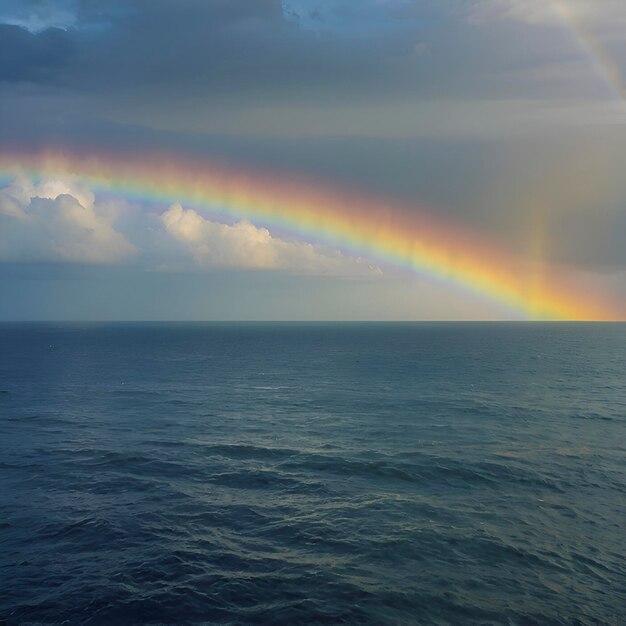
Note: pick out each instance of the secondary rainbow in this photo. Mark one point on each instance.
(376, 228)
(606, 66)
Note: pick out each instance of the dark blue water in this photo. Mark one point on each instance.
(425, 473)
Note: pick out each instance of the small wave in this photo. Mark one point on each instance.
(593, 416)
(39, 419)
(248, 451)
(89, 530)
(342, 466)
(270, 388)
(254, 480)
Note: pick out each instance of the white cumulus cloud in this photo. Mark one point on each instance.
(56, 220)
(244, 245)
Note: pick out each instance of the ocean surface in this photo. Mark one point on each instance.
(313, 473)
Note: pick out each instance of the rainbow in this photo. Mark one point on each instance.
(376, 228)
(604, 64)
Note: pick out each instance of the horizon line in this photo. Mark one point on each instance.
(304, 321)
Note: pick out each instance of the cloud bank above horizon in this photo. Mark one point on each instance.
(59, 220)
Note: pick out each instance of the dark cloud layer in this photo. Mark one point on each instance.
(218, 49)
(33, 57)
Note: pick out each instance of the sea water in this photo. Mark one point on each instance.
(313, 473)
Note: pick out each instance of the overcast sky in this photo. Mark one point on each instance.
(503, 116)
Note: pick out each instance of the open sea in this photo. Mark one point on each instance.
(313, 473)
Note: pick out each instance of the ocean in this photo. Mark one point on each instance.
(427, 473)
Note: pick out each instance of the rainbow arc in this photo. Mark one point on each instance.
(389, 233)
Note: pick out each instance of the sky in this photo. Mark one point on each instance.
(504, 121)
